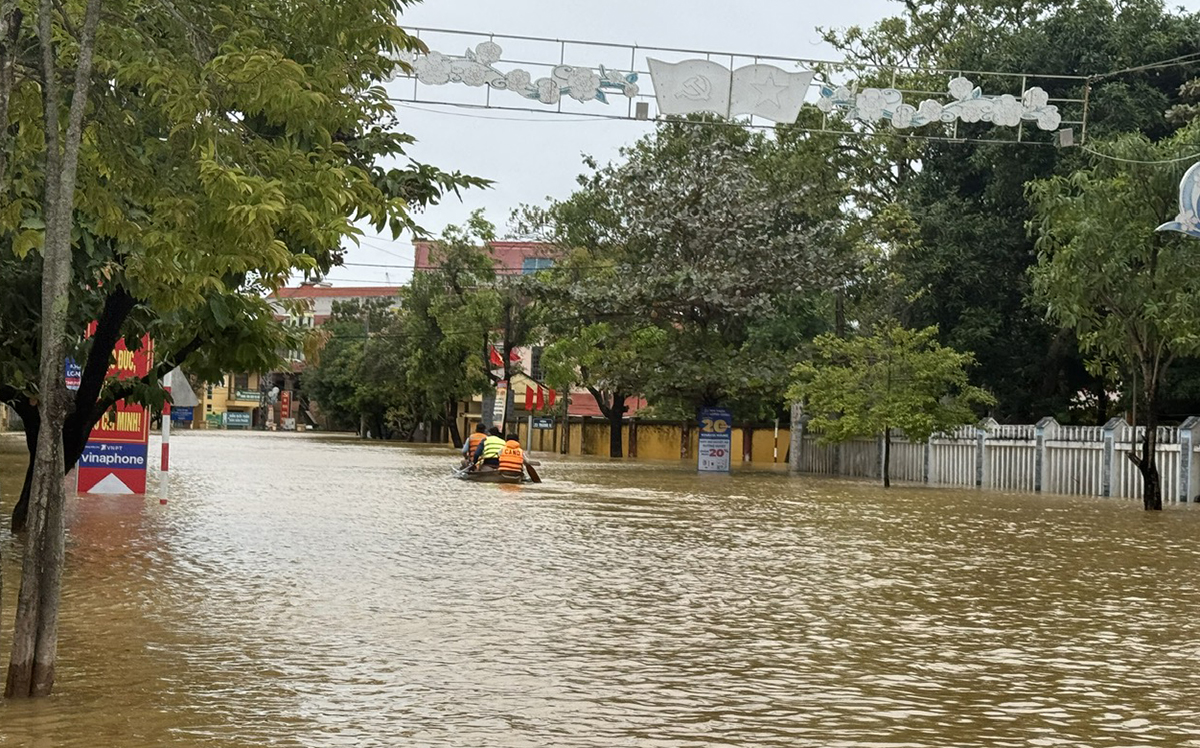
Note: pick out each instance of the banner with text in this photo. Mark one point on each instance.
(716, 440)
(114, 460)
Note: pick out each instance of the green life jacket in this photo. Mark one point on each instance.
(492, 447)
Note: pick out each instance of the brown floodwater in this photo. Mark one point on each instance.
(300, 591)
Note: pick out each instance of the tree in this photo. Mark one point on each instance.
(966, 271)
(357, 375)
(446, 312)
(698, 231)
(227, 146)
(216, 166)
(895, 378)
(1131, 294)
(35, 634)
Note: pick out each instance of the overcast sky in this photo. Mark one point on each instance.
(533, 156)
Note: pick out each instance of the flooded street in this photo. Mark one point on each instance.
(298, 591)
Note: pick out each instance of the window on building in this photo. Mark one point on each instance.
(531, 265)
(241, 381)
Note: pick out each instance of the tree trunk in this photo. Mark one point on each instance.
(887, 458)
(1148, 466)
(32, 420)
(35, 632)
(452, 424)
(615, 445)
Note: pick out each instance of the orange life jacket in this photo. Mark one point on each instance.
(473, 442)
(512, 457)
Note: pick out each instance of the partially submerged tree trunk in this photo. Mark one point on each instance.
(614, 409)
(35, 632)
(452, 424)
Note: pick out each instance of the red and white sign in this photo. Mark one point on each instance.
(285, 404)
(114, 460)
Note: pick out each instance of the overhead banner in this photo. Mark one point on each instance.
(716, 440)
(114, 459)
(695, 86)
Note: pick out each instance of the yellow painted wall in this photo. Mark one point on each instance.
(658, 442)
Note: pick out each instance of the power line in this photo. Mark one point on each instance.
(1101, 154)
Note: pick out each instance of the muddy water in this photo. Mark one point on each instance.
(307, 592)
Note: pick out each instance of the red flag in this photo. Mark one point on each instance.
(553, 397)
(540, 402)
(494, 357)
(528, 398)
(514, 355)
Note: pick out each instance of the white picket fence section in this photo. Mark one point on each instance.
(1049, 457)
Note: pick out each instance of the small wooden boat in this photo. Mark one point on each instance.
(490, 475)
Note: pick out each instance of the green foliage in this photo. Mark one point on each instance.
(1131, 294)
(229, 146)
(708, 233)
(895, 378)
(359, 372)
(965, 266)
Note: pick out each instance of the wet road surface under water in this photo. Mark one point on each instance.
(299, 591)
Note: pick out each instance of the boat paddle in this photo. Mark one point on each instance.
(533, 476)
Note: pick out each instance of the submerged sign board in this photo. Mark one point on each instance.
(114, 460)
(716, 440)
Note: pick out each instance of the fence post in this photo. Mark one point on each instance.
(983, 466)
(980, 448)
(795, 452)
(1039, 460)
(927, 472)
(881, 455)
(1187, 459)
(1109, 464)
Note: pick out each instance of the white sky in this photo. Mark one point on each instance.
(533, 156)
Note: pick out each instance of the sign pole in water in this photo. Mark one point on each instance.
(716, 440)
(164, 462)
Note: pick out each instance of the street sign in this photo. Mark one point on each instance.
(716, 440)
(74, 374)
(114, 459)
(543, 423)
(236, 420)
(181, 414)
(501, 405)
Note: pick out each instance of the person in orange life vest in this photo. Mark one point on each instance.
(512, 457)
(488, 453)
(472, 443)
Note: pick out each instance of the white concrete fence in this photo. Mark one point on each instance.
(1073, 460)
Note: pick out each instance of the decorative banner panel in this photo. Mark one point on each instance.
(695, 86)
(478, 68)
(542, 74)
(967, 103)
(1188, 220)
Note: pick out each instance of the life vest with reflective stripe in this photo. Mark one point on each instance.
(492, 447)
(473, 442)
(512, 457)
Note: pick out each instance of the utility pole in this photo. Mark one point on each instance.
(362, 417)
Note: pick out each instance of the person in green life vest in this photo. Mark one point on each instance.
(488, 453)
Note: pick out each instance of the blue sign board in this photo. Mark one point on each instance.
(716, 440)
(74, 374)
(116, 455)
(235, 420)
(182, 414)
